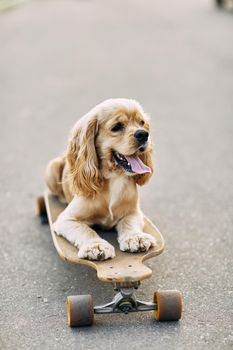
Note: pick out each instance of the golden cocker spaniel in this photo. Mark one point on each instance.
(109, 153)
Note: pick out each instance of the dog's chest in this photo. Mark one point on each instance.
(118, 200)
(116, 189)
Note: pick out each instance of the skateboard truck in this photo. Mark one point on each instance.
(124, 272)
(125, 301)
(166, 305)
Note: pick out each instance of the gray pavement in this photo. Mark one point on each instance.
(57, 60)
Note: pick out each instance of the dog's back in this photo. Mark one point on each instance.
(53, 176)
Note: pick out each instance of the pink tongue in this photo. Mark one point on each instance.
(137, 165)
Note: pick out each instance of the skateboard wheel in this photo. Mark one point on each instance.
(169, 305)
(80, 310)
(40, 209)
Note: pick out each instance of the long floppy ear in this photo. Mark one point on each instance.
(147, 159)
(82, 158)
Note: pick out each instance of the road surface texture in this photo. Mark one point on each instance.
(60, 58)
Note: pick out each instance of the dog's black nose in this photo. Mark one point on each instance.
(141, 136)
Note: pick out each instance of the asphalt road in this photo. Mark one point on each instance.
(57, 60)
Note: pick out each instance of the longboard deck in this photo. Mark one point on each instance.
(125, 267)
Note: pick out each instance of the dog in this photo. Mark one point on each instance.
(109, 153)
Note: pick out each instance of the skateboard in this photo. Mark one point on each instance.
(124, 272)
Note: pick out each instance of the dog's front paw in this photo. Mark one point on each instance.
(96, 249)
(139, 242)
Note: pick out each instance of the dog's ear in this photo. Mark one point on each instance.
(148, 160)
(82, 157)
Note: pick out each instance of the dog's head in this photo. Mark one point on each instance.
(113, 139)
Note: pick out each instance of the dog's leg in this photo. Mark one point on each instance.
(82, 236)
(131, 236)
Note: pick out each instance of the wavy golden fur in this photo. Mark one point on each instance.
(83, 160)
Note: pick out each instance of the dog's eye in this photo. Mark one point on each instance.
(119, 126)
(142, 122)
